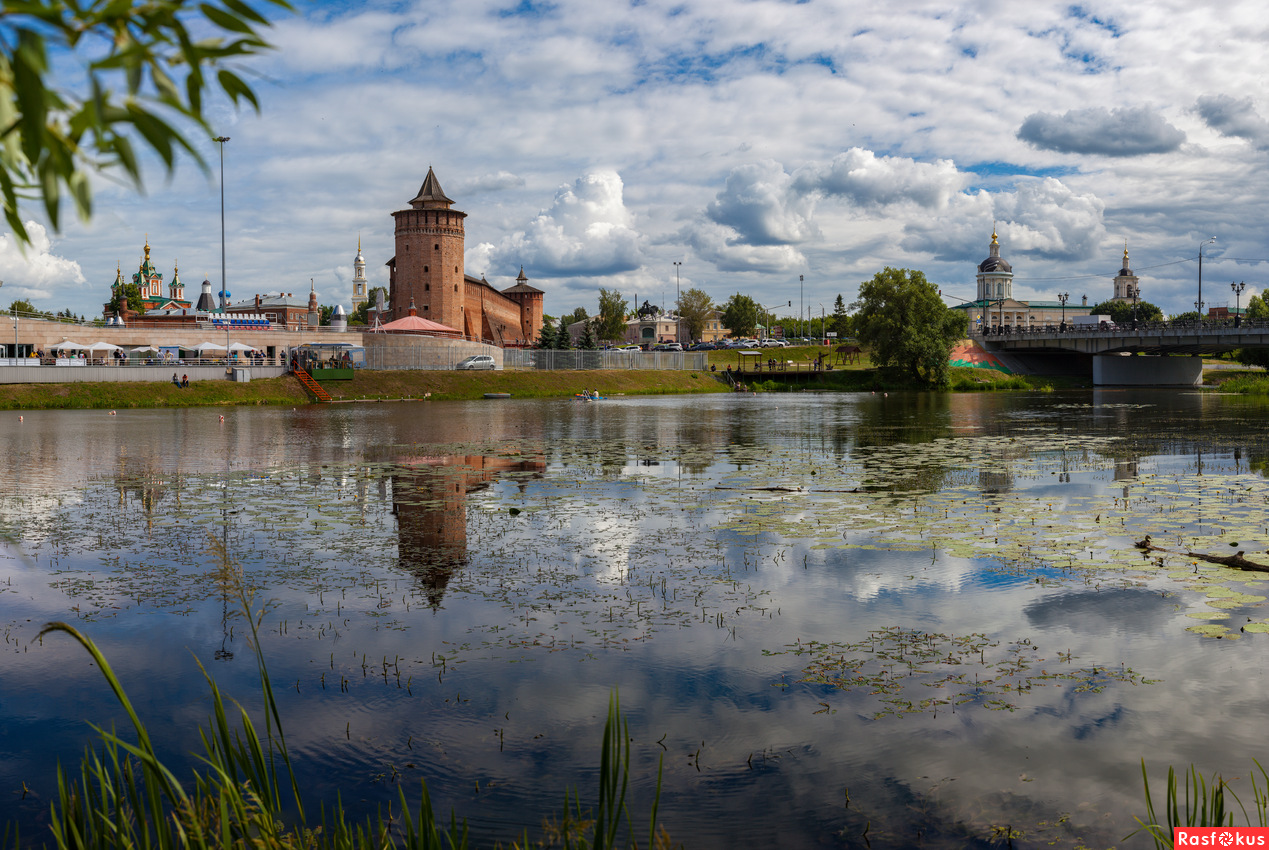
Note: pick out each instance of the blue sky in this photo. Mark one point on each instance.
(598, 143)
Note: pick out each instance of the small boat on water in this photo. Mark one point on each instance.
(497, 395)
(588, 397)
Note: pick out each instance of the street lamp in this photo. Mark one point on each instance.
(1136, 291)
(1238, 291)
(823, 320)
(678, 330)
(1198, 305)
(224, 294)
(1063, 296)
(801, 310)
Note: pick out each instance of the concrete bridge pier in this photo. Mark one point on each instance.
(1124, 370)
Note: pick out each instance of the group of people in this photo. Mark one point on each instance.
(182, 381)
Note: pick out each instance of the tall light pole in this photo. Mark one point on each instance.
(1198, 305)
(823, 320)
(224, 294)
(801, 309)
(678, 333)
(1237, 287)
(1063, 296)
(1136, 292)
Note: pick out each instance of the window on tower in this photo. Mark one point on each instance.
(427, 287)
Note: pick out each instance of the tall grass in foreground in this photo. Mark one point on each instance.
(246, 793)
(1204, 803)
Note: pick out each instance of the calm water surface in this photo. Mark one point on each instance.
(919, 617)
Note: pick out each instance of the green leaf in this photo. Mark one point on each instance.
(236, 88)
(225, 20)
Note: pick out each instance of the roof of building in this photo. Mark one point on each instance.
(994, 263)
(430, 195)
(416, 325)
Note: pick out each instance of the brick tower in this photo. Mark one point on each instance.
(428, 266)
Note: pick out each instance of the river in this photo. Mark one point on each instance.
(913, 620)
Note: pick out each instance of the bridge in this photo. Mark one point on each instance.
(1144, 356)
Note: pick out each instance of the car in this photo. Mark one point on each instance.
(668, 346)
(628, 348)
(477, 361)
(771, 342)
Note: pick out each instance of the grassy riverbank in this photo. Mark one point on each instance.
(366, 385)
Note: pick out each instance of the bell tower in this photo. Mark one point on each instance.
(359, 295)
(428, 266)
(1125, 281)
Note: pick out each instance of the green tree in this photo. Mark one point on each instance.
(22, 306)
(546, 337)
(740, 315)
(695, 307)
(840, 322)
(905, 325)
(612, 316)
(1190, 316)
(147, 67)
(575, 316)
(1256, 309)
(325, 311)
(587, 341)
(1120, 312)
(130, 291)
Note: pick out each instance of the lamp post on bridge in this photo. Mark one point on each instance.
(1136, 291)
(1238, 291)
(1198, 305)
(1063, 297)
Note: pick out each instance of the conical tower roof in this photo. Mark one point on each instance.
(430, 195)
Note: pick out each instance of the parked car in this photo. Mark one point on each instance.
(477, 361)
(772, 342)
(668, 346)
(629, 348)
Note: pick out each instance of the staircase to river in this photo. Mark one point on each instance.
(311, 386)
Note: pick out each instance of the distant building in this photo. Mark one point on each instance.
(149, 280)
(427, 270)
(995, 306)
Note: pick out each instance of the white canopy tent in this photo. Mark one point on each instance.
(208, 346)
(67, 345)
(108, 346)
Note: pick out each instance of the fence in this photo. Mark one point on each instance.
(545, 359)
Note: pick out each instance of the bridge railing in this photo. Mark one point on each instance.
(1213, 326)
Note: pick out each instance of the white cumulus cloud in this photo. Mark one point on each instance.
(587, 232)
(36, 272)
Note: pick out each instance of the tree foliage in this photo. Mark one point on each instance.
(694, 308)
(1120, 312)
(612, 316)
(740, 315)
(546, 337)
(145, 77)
(570, 318)
(905, 325)
(587, 340)
(130, 291)
(841, 321)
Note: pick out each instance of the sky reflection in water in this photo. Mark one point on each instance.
(918, 613)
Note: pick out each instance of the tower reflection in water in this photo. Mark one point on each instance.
(429, 500)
